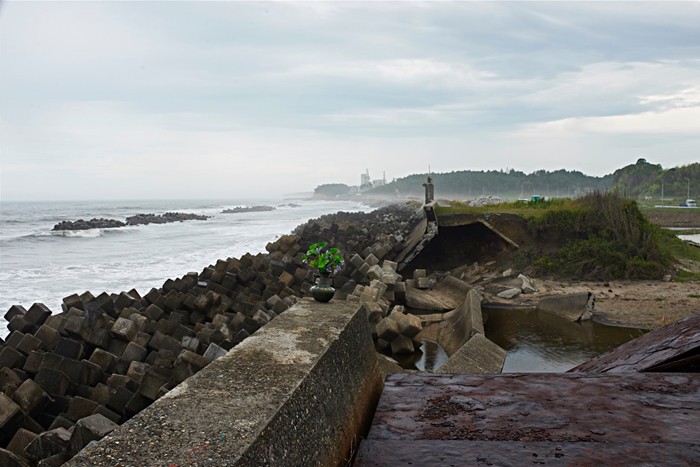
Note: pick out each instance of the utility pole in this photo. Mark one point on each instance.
(688, 196)
(662, 192)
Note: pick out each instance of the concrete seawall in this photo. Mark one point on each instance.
(462, 323)
(463, 338)
(108, 356)
(460, 333)
(300, 391)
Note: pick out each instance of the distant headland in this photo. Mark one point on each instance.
(239, 209)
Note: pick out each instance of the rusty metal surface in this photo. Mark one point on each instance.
(392, 453)
(637, 407)
(677, 341)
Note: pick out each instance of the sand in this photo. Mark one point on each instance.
(640, 304)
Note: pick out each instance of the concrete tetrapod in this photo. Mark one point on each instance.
(297, 392)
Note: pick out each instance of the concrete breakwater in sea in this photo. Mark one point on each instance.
(69, 378)
(138, 219)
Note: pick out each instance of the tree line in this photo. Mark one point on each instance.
(638, 180)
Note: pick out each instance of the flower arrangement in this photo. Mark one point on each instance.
(326, 260)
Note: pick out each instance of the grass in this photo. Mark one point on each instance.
(687, 276)
(521, 208)
(676, 247)
(596, 237)
(602, 237)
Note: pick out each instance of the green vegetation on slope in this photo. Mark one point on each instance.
(681, 251)
(595, 237)
(603, 237)
(648, 180)
(525, 209)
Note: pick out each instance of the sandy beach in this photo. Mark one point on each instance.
(639, 304)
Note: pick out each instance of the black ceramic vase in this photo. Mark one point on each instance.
(323, 291)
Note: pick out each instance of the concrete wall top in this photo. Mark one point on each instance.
(299, 391)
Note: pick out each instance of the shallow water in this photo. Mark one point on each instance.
(429, 357)
(540, 342)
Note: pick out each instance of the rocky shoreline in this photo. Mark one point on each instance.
(138, 219)
(71, 377)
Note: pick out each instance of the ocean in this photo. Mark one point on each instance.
(39, 265)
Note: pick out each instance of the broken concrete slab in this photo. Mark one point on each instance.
(460, 324)
(448, 294)
(478, 355)
(509, 293)
(528, 285)
(573, 307)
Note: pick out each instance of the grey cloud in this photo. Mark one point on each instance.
(454, 75)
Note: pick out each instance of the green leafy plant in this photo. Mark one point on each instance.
(326, 260)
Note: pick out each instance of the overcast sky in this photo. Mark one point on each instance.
(129, 100)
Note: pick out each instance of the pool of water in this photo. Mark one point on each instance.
(540, 342)
(430, 356)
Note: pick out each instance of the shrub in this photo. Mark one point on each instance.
(604, 236)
